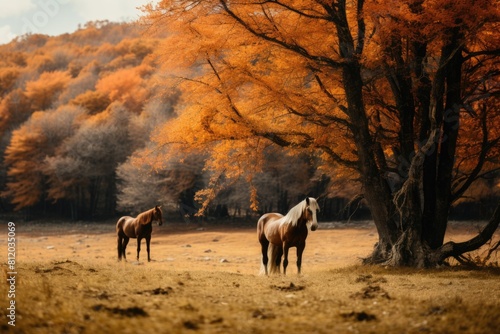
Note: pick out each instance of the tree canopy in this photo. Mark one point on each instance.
(400, 96)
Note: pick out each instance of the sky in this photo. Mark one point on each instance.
(55, 17)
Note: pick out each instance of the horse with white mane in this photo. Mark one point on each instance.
(278, 233)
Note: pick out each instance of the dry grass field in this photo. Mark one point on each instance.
(204, 279)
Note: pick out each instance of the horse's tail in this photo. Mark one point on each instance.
(262, 271)
(273, 251)
(119, 238)
(119, 247)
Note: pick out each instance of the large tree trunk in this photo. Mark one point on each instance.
(439, 164)
(412, 222)
(376, 190)
(411, 249)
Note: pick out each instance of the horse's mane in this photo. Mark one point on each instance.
(145, 217)
(293, 216)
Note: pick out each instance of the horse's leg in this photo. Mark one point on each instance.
(148, 240)
(285, 259)
(264, 243)
(300, 250)
(139, 239)
(278, 259)
(119, 239)
(124, 247)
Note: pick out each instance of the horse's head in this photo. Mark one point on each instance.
(312, 208)
(157, 215)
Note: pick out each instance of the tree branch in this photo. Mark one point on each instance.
(495, 52)
(291, 47)
(297, 11)
(486, 146)
(347, 210)
(229, 99)
(337, 158)
(361, 28)
(457, 249)
(330, 95)
(316, 118)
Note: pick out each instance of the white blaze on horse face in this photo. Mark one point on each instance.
(313, 210)
(314, 221)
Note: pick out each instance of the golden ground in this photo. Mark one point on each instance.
(205, 279)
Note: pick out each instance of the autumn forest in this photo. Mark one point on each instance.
(73, 109)
(225, 108)
(77, 114)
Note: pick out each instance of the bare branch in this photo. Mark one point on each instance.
(320, 119)
(337, 158)
(356, 201)
(457, 249)
(494, 52)
(486, 146)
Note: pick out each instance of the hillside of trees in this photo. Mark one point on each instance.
(77, 114)
(73, 109)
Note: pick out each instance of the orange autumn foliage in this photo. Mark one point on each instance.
(44, 90)
(125, 86)
(258, 73)
(93, 101)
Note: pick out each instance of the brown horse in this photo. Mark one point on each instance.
(140, 227)
(278, 233)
